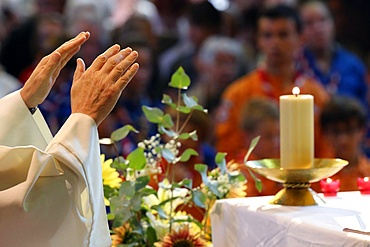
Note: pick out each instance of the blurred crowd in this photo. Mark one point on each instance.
(240, 56)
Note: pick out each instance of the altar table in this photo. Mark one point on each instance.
(252, 221)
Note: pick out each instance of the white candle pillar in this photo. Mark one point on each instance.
(296, 131)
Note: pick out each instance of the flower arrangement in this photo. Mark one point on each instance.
(141, 215)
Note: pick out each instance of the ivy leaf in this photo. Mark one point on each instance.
(199, 198)
(168, 155)
(180, 79)
(122, 132)
(167, 121)
(168, 101)
(202, 169)
(137, 159)
(193, 135)
(168, 132)
(190, 101)
(187, 183)
(185, 156)
(221, 162)
(184, 109)
(153, 114)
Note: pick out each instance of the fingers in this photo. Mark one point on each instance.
(126, 60)
(71, 47)
(101, 60)
(80, 69)
(127, 77)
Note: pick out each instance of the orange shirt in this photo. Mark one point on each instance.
(230, 137)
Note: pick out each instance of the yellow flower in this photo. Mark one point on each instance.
(110, 175)
(183, 237)
(236, 192)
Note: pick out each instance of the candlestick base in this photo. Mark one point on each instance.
(296, 182)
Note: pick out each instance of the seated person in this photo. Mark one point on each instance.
(260, 117)
(343, 121)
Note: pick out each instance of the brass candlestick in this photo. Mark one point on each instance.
(296, 182)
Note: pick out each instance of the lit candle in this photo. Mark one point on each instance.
(363, 185)
(329, 187)
(296, 130)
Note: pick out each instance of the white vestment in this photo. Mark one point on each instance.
(51, 191)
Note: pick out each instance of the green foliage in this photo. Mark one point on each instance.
(148, 211)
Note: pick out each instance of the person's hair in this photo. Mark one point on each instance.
(282, 11)
(257, 110)
(204, 14)
(342, 109)
(305, 3)
(216, 44)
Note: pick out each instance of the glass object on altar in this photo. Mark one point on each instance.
(330, 187)
(363, 185)
(296, 191)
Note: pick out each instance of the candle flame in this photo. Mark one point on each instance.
(296, 91)
(329, 180)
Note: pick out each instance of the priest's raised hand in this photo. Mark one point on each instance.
(51, 190)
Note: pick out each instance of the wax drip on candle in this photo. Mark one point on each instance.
(296, 91)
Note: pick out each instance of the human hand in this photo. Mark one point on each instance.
(95, 91)
(42, 79)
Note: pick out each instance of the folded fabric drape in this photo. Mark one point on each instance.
(51, 190)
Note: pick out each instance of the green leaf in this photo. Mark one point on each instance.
(153, 114)
(121, 216)
(141, 182)
(258, 184)
(257, 181)
(185, 156)
(168, 101)
(202, 169)
(193, 135)
(168, 155)
(221, 162)
(127, 189)
(160, 211)
(136, 202)
(251, 147)
(137, 159)
(151, 236)
(122, 132)
(187, 183)
(168, 132)
(184, 109)
(180, 79)
(190, 101)
(167, 121)
(199, 198)
(236, 178)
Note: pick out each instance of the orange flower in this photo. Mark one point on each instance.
(183, 237)
(119, 234)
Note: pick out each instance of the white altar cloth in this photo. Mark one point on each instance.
(252, 221)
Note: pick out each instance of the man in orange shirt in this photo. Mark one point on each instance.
(279, 40)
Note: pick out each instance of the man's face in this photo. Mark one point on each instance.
(345, 138)
(278, 40)
(318, 31)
